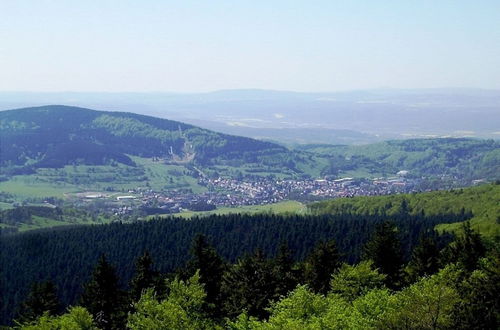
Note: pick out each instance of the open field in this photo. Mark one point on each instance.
(281, 207)
(57, 182)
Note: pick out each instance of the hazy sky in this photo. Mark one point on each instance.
(157, 45)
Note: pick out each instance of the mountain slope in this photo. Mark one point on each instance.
(54, 136)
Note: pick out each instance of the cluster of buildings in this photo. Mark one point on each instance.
(234, 192)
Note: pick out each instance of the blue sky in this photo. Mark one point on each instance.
(192, 46)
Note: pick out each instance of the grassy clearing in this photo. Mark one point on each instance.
(277, 208)
(56, 182)
(27, 186)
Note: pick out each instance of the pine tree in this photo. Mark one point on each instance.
(285, 276)
(103, 297)
(210, 265)
(248, 286)
(42, 299)
(384, 249)
(145, 276)
(323, 261)
(467, 249)
(425, 259)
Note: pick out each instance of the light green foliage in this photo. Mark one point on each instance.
(123, 126)
(285, 207)
(77, 318)
(351, 282)
(369, 311)
(298, 309)
(482, 201)
(427, 304)
(182, 309)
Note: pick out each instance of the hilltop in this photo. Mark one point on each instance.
(55, 136)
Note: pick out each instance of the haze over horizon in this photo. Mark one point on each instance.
(147, 46)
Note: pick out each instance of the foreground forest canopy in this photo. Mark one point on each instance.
(439, 287)
(248, 254)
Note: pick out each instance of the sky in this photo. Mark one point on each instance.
(199, 46)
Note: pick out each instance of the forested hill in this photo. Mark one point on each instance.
(482, 203)
(56, 135)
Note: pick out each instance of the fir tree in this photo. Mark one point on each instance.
(248, 286)
(210, 265)
(103, 297)
(323, 261)
(384, 249)
(41, 299)
(286, 277)
(424, 259)
(145, 276)
(467, 249)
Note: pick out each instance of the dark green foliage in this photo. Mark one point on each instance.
(384, 249)
(480, 304)
(424, 259)
(467, 249)
(67, 255)
(41, 299)
(323, 261)
(103, 298)
(211, 267)
(23, 214)
(145, 276)
(248, 286)
(286, 275)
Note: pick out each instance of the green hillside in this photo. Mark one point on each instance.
(55, 136)
(482, 202)
(467, 159)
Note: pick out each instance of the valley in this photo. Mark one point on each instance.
(127, 166)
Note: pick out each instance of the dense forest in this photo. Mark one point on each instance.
(438, 286)
(66, 256)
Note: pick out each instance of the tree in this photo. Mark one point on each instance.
(479, 307)
(427, 304)
(42, 299)
(320, 265)
(350, 282)
(182, 309)
(467, 249)
(424, 259)
(210, 265)
(248, 285)
(145, 276)
(75, 318)
(103, 297)
(384, 249)
(285, 276)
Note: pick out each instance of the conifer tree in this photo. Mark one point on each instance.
(41, 299)
(323, 261)
(210, 265)
(384, 249)
(103, 298)
(145, 276)
(424, 259)
(248, 286)
(286, 277)
(467, 249)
